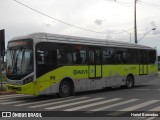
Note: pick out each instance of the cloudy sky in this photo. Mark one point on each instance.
(111, 19)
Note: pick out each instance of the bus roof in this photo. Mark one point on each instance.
(48, 37)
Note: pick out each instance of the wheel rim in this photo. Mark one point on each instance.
(65, 89)
(129, 82)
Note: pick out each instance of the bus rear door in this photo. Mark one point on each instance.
(143, 67)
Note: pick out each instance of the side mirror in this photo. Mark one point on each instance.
(4, 52)
(39, 57)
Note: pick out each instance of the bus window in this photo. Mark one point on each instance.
(151, 57)
(109, 56)
(132, 56)
(142, 57)
(121, 56)
(94, 56)
(45, 58)
(98, 56)
(79, 54)
(91, 57)
(64, 55)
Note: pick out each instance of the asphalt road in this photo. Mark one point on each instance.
(93, 105)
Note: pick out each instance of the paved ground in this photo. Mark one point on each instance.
(3, 90)
(142, 98)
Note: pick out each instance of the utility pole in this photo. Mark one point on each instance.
(135, 22)
(2, 48)
(1, 70)
(1, 66)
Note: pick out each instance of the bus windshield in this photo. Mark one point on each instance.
(19, 61)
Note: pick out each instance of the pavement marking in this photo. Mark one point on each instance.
(11, 96)
(74, 103)
(93, 104)
(6, 103)
(133, 107)
(38, 102)
(144, 89)
(151, 118)
(63, 101)
(7, 100)
(17, 95)
(155, 109)
(141, 89)
(114, 105)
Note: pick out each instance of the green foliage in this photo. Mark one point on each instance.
(3, 77)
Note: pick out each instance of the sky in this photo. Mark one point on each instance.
(107, 19)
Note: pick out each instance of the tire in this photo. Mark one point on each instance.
(64, 89)
(129, 82)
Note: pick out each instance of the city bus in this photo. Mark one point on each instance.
(45, 64)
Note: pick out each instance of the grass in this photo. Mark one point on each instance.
(3, 77)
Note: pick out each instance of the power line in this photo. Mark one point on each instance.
(63, 21)
(149, 4)
(123, 2)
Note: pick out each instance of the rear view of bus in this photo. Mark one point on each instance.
(20, 66)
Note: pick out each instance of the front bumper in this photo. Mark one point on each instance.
(22, 89)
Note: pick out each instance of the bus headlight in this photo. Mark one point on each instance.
(28, 80)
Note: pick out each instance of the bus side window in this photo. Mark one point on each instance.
(132, 56)
(109, 56)
(40, 57)
(79, 54)
(64, 55)
(98, 56)
(121, 56)
(78, 58)
(91, 57)
(151, 57)
(46, 58)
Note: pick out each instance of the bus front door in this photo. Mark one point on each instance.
(143, 67)
(95, 67)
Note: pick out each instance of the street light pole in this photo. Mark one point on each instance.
(145, 34)
(135, 22)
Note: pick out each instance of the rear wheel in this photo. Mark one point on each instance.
(64, 89)
(129, 82)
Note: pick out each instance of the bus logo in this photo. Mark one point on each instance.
(81, 72)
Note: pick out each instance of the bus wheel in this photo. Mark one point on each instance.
(129, 82)
(64, 89)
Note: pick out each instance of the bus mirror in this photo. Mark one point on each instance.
(58, 56)
(39, 57)
(4, 52)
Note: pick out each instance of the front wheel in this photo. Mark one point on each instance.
(64, 89)
(129, 82)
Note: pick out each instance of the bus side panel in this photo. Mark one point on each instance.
(152, 69)
(49, 82)
(112, 75)
(116, 74)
